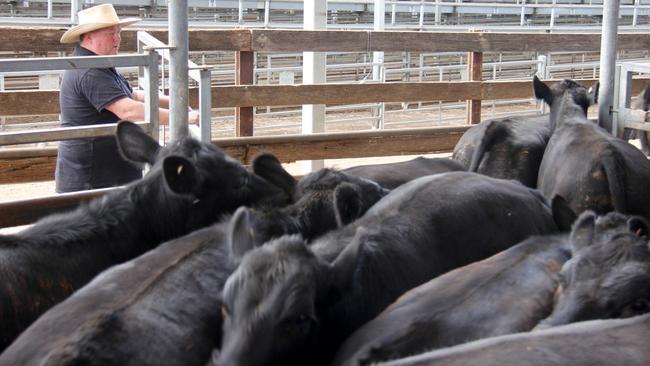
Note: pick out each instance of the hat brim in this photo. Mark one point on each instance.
(72, 35)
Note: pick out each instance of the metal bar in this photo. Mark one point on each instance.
(607, 64)
(57, 134)
(78, 62)
(151, 113)
(205, 105)
(178, 66)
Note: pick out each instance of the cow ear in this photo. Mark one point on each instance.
(181, 175)
(582, 233)
(241, 238)
(267, 166)
(347, 203)
(345, 265)
(134, 144)
(593, 93)
(563, 215)
(542, 91)
(638, 225)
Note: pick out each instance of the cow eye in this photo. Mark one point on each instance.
(298, 325)
(640, 306)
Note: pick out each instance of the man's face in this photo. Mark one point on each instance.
(105, 41)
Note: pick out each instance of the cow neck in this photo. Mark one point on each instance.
(568, 112)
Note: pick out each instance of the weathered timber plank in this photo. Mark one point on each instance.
(266, 40)
(46, 102)
(289, 148)
(23, 212)
(499, 42)
(24, 170)
(332, 94)
(25, 102)
(46, 39)
(31, 165)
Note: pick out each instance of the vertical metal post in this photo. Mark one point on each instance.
(267, 11)
(151, 91)
(378, 58)
(178, 78)
(75, 6)
(314, 71)
(607, 63)
(49, 9)
(522, 17)
(244, 63)
(240, 12)
(205, 104)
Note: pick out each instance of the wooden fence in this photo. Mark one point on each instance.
(25, 165)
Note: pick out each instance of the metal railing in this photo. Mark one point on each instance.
(148, 61)
(199, 73)
(622, 116)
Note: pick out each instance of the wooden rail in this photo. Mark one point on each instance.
(24, 165)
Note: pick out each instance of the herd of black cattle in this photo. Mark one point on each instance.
(528, 247)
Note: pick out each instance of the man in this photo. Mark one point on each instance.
(98, 96)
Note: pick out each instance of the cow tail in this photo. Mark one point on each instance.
(493, 132)
(614, 165)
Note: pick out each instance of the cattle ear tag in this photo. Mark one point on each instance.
(590, 90)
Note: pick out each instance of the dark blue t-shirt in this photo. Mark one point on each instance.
(94, 162)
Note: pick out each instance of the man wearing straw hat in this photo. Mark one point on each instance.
(97, 96)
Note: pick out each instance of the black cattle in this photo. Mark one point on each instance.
(322, 200)
(509, 292)
(289, 303)
(161, 308)
(604, 278)
(507, 148)
(584, 163)
(641, 102)
(392, 175)
(612, 342)
(329, 198)
(190, 185)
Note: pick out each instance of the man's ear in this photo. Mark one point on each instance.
(135, 145)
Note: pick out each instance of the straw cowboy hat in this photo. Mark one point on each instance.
(97, 17)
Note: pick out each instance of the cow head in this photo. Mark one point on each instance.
(201, 177)
(323, 200)
(274, 302)
(609, 273)
(567, 99)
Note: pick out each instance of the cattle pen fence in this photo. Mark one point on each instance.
(37, 164)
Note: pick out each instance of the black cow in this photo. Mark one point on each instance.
(641, 102)
(392, 175)
(507, 293)
(322, 200)
(289, 303)
(604, 278)
(190, 185)
(584, 163)
(161, 308)
(329, 198)
(612, 342)
(507, 148)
